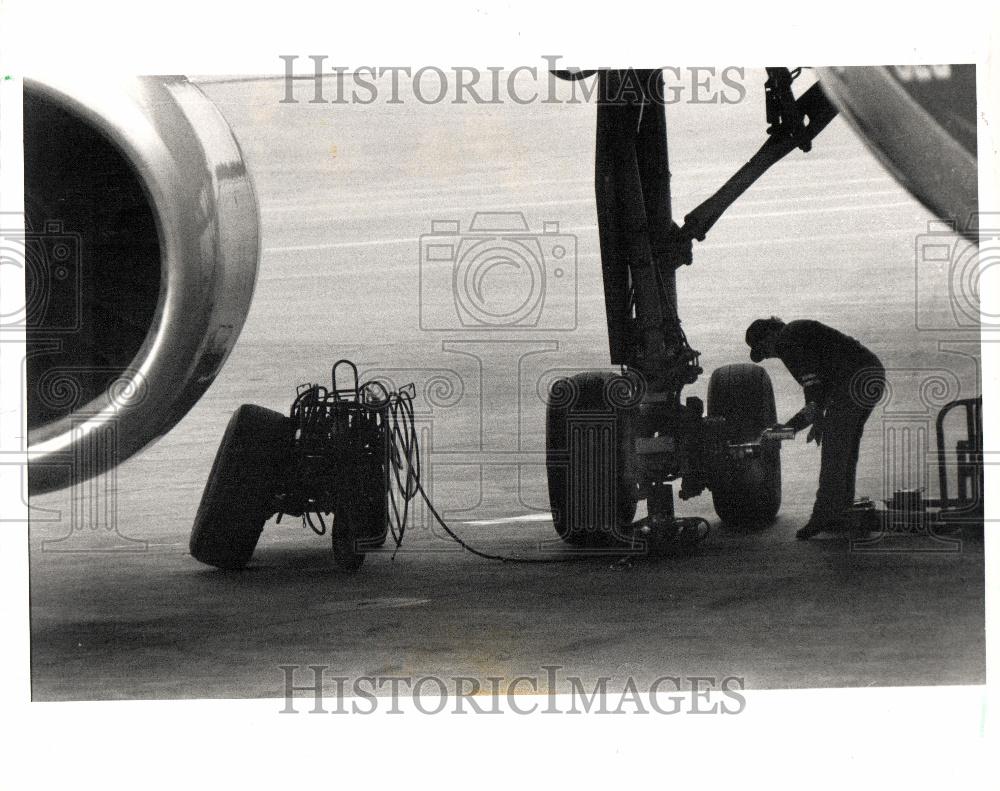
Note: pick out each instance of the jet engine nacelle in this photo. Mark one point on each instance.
(141, 245)
(921, 122)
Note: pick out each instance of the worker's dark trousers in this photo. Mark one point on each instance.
(843, 424)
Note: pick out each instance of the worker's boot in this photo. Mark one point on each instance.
(811, 528)
(816, 525)
(846, 524)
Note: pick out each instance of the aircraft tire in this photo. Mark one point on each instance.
(584, 395)
(748, 494)
(238, 495)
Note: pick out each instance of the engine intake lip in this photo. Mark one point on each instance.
(207, 221)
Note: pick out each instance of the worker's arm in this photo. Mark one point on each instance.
(793, 348)
(804, 417)
(811, 412)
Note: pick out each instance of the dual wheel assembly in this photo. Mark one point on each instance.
(595, 475)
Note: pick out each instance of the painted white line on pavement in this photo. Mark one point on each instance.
(537, 517)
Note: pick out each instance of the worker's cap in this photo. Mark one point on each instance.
(760, 330)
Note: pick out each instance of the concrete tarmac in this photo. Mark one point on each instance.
(120, 610)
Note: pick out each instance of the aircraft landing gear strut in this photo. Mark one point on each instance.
(613, 440)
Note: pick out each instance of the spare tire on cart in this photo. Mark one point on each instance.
(239, 494)
(747, 492)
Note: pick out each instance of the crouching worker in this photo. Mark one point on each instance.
(843, 381)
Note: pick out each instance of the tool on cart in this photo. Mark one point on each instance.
(908, 511)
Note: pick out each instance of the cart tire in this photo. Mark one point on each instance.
(359, 524)
(346, 554)
(748, 494)
(239, 493)
(590, 498)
